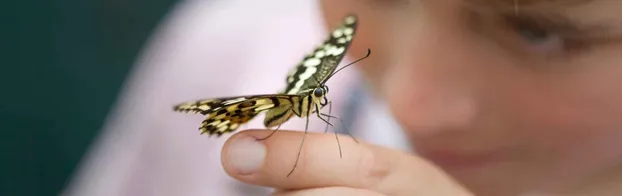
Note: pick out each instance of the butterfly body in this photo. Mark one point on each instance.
(304, 94)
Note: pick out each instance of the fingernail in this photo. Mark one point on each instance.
(246, 154)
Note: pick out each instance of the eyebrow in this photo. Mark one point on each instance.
(530, 2)
(537, 10)
(525, 4)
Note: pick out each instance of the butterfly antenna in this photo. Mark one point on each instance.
(331, 75)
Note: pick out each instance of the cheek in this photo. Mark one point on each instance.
(574, 121)
(573, 107)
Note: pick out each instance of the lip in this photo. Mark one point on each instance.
(454, 159)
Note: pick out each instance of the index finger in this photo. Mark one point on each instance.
(363, 165)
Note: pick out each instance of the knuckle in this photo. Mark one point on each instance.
(373, 168)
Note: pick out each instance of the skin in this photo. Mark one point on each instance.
(493, 105)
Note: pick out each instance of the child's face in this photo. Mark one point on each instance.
(503, 98)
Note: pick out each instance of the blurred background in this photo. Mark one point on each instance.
(63, 64)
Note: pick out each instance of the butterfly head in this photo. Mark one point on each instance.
(319, 93)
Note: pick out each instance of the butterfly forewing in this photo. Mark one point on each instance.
(318, 65)
(315, 67)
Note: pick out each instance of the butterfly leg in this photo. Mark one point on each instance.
(301, 143)
(329, 116)
(320, 116)
(330, 108)
(272, 133)
(277, 128)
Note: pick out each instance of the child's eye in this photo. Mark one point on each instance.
(541, 39)
(534, 34)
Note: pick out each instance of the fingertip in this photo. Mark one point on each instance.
(243, 153)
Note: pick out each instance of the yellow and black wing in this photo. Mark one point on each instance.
(315, 67)
(226, 114)
(318, 65)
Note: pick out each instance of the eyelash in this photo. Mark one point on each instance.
(538, 34)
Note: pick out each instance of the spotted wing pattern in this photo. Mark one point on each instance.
(225, 115)
(318, 65)
(315, 67)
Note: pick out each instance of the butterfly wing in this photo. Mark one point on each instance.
(318, 65)
(226, 114)
(315, 67)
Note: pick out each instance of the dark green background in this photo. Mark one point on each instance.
(63, 63)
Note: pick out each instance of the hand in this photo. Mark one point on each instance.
(365, 169)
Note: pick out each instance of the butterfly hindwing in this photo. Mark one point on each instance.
(227, 114)
(206, 106)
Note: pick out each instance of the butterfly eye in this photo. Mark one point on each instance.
(318, 92)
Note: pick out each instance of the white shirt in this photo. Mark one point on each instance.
(209, 49)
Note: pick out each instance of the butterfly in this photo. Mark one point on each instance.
(303, 96)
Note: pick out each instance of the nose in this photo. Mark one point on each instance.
(431, 84)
